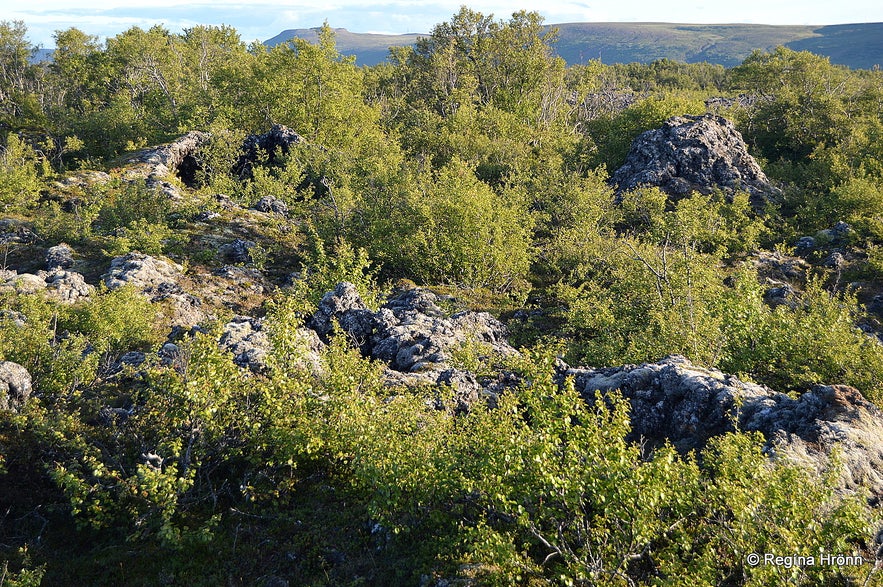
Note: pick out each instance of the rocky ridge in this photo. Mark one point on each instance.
(676, 401)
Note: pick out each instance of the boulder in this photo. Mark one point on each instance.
(677, 401)
(161, 281)
(66, 286)
(693, 153)
(15, 385)
(186, 309)
(781, 294)
(247, 340)
(271, 204)
(410, 332)
(142, 271)
(835, 260)
(804, 245)
(23, 283)
(776, 267)
(82, 180)
(237, 251)
(61, 256)
(344, 305)
(265, 146)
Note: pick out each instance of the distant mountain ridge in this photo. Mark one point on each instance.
(859, 46)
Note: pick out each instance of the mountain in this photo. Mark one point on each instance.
(859, 46)
(369, 48)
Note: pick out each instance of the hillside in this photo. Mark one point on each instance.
(854, 45)
(269, 318)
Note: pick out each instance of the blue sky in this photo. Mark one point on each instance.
(262, 19)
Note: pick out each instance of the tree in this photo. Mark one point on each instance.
(19, 79)
(20, 174)
(805, 106)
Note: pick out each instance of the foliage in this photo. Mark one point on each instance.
(468, 235)
(791, 348)
(21, 174)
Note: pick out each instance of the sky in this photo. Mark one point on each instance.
(263, 19)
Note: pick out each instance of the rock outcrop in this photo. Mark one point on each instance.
(142, 271)
(685, 404)
(265, 146)
(410, 332)
(178, 157)
(247, 340)
(158, 279)
(692, 153)
(15, 385)
(417, 339)
(23, 283)
(65, 286)
(271, 205)
(237, 252)
(61, 256)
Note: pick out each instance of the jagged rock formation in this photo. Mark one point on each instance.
(158, 279)
(66, 286)
(237, 252)
(416, 339)
(178, 157)
(142, 271)
(265, 145)
(685, 404)
(61, 256)
(410, 332)
(15, 385)
(181, 157)
(23, 283)
(247, 340)
(271, 205)
(692, 153)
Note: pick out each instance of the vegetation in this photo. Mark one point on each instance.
(474, 162)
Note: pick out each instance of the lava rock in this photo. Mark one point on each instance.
(271, 204)
(15, 386)
(693, 153)
(61, 256)
(142, 271)
(674, 400)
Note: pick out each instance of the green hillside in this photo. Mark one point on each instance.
(470, 318)
(369, 48)
(724, 44)
(854, 45)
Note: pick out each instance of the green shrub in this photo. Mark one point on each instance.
(21, 173)
(467, 235)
